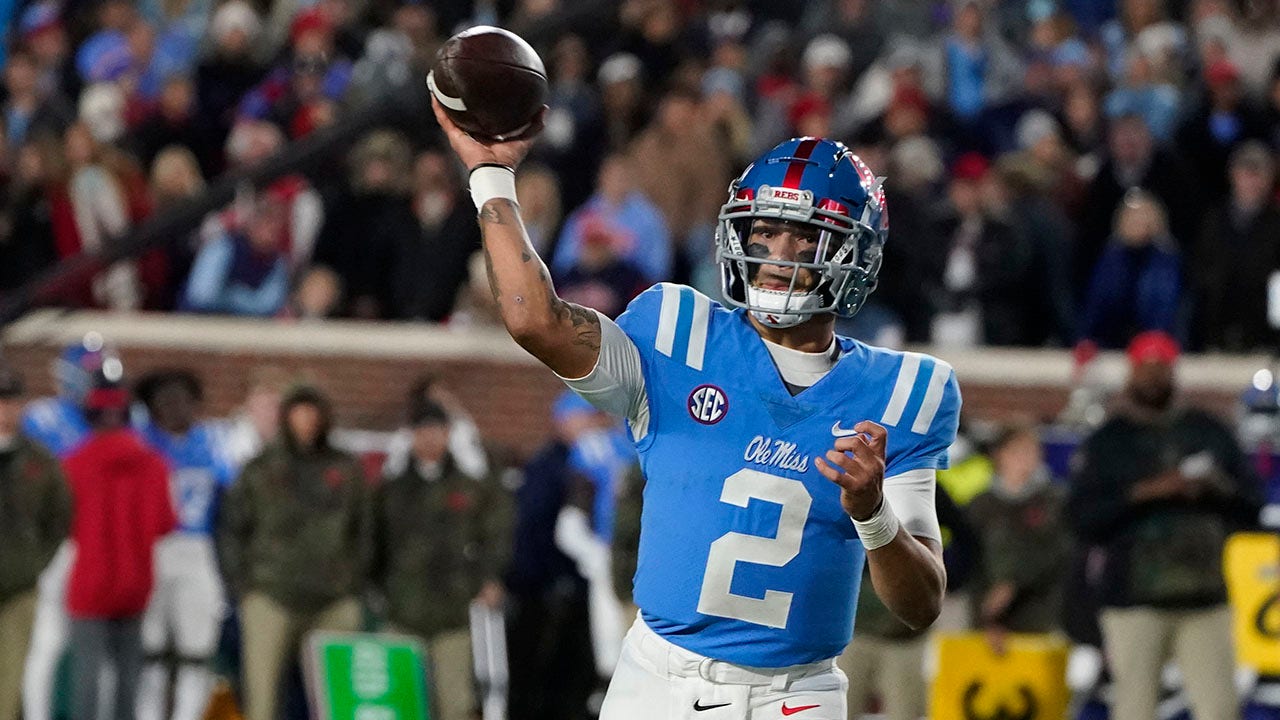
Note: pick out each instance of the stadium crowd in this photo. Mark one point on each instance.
(1058, 171)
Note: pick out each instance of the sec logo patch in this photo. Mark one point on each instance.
(708, 404)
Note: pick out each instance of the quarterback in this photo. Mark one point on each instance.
(779, 456)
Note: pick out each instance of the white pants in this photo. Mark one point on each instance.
(183, 617)
(48, 635)
(656, 680)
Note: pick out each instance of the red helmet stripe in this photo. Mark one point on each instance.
(796, 170)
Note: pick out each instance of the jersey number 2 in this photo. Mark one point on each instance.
(734, 547)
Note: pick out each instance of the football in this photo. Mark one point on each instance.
(490, 82)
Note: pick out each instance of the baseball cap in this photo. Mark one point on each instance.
(311, 20)
(108, 391)
(1153, 346)
(104, 57)
(1222, 72)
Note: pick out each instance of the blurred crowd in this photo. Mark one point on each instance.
(1060, 171)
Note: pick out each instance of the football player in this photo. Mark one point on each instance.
(59, 424)
(185, 611)
(779, 456)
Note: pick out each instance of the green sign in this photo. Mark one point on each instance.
(366, 677)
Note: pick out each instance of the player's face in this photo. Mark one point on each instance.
(1151, 384)
(304, 424)
(174, 408)
(430, 441)
(780, 240)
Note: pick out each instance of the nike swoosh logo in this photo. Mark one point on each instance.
(699, 707)
(799, 708)
(842, 432)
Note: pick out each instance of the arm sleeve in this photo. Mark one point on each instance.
(1098, 500)
(911, 495)
(616, 384)
(234, 529)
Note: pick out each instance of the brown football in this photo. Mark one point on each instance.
(490, 82)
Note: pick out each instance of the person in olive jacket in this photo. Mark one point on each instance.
(294, 541)
(35, 516)
(1157, 490)
(1025, 540)
(442, 541)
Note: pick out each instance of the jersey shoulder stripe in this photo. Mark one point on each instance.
(684, 316)
(918, 392)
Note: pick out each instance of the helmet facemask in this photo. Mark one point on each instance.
(845, 262)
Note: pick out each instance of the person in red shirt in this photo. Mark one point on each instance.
(120, 493)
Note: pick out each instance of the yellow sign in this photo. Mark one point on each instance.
(1252, 567)
(1027, 682)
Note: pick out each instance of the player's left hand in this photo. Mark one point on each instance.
(856, 464)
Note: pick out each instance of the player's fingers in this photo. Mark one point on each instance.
(451, 130)
(840, 460)
(853, 443)
(879, 436)
(829, 472)
(539, 121)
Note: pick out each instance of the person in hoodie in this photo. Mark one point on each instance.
(120, 495)
(294, 540)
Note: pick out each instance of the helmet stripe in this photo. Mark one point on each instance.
(799, 162)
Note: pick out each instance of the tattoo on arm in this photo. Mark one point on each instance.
(489, 215)
(586, 324)
(493, 277)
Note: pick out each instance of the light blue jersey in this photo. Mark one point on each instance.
(196, 473)
(745, 552)
(603, 457)
(55, 423)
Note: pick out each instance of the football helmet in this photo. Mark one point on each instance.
(816, 182)
(75, 368)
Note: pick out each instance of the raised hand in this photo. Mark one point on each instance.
(473, 152)
(856, 464)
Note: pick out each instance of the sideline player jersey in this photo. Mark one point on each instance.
(196, 474)
(745, 552)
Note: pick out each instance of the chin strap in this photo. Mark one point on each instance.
(781, 309)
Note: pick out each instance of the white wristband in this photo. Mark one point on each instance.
(492, 181)
(878, 530)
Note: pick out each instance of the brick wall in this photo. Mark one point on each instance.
(508, 399)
